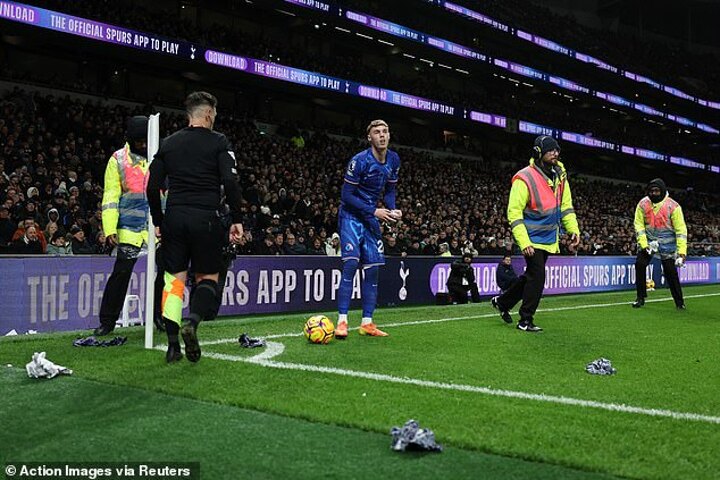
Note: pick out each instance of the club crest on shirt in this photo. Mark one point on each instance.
(348, 247)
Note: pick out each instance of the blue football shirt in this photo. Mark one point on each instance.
(370, 176)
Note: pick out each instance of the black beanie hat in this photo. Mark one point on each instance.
(659, 183)
(546, 144)
(137, 128)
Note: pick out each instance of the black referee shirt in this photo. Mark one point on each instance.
(195, 161)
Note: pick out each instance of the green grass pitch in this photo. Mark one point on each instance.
(505, 404)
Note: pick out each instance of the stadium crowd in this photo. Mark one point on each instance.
(491, 95)
(53, 152)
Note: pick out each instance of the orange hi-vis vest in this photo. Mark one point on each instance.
(542, 213)
(658, 226)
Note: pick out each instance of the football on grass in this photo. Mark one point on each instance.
(319, 329)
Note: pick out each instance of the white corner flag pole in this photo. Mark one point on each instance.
(153, 143)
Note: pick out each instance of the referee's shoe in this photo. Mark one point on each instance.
(189, 336)
(173, 353)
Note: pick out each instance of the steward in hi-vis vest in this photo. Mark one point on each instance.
(659, 228)
(124, 216)
(539, 210)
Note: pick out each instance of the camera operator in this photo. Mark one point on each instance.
(462, 280)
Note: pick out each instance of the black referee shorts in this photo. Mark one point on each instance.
(192, 235)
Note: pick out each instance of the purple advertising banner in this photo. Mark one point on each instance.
(82, 27)
(583, 274)
(325, 82)
(56, 294)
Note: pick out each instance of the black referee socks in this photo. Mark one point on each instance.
(205, 301)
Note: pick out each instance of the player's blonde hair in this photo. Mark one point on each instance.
(376, 123)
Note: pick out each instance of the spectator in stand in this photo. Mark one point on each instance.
(291, 246)
(80, 245)
(28, 243)
(455, 249)
(392, 249)
(316, 247)
(101, 245)
(332, 246)
(431, 247)
(268, 246)
(31, 212)
(53, 216)
(59, 245)
(50, 230)
(494, 249)
(414, 248)
(27, 223)
(280, 243)
(301, 239)
(275, 222)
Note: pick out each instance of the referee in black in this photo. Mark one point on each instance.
(196, 161)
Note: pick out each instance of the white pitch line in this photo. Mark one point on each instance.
(275, 348)
(272, 350)
(469, 317)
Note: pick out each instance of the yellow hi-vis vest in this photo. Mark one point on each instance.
(124, 205)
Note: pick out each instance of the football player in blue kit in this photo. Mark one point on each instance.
(368, 174)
